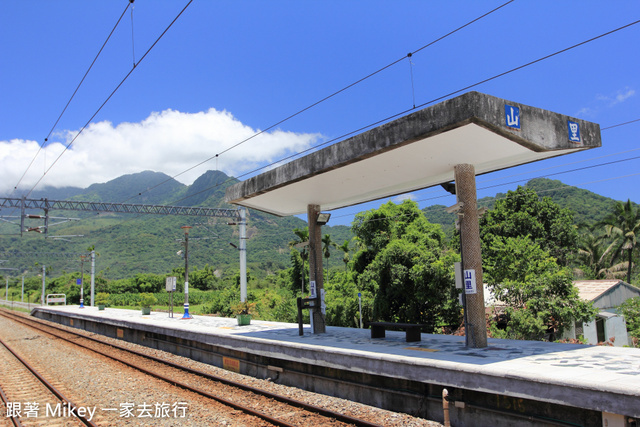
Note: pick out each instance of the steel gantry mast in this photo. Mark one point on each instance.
(68, 205)
(239, 215)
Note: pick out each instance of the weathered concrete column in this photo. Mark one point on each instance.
(315, 266)
(465, 178)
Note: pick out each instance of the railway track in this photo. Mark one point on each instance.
(270, 408)
(29, 399)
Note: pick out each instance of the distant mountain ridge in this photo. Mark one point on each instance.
(146, 187)
(133, 244)
(130, 244)
(588, 207)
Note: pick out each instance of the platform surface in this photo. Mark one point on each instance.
(593, 377)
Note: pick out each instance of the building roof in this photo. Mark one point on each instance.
(414, 152)
(590, 290)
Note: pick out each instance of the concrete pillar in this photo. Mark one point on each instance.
(315, 266)
(93, 277)
(476, 334)
(243, 253)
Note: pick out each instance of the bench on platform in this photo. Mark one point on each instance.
(412, 330)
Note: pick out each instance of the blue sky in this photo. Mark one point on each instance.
(227, 70)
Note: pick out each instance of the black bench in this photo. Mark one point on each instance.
(413, 330)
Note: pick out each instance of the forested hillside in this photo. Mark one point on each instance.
(131, 244)
(588, 207)
(402, 265)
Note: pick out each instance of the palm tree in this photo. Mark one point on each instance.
(623, 224)
(345, 248)
(596, 252)
(327, 243)
(301, 243)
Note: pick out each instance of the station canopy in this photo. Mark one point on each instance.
(416, 151)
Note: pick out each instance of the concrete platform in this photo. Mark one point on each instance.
(536, 383)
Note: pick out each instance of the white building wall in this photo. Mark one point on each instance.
(616, 327)
(590, 333)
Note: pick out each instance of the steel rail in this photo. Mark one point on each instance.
(15, 420)
(283, 399)
(50, 386)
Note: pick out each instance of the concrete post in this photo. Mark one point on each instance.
(186, 314)
(476, 335)
(243, 253)
(93, 277)
(315, 266)
(44, 278)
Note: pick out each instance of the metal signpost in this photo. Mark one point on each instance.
(171, 288)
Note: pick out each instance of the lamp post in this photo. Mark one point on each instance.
(186, 272)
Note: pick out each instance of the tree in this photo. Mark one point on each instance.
(297, 272)
(302, 235)
(327, 243)
(623, 224)
(595, 255)
(374, 229)
(403, 263)
(344, 247)
(522, 213)
(539, 294)
(630, 309)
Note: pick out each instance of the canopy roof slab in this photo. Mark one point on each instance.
(417, 151)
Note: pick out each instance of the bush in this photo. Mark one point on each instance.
(630, 309)
(147, 300)
(102, 298)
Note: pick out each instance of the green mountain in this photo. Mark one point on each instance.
(129, 244)
(588, 207)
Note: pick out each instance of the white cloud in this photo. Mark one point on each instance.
(618, 97)
(402, 197)
(606, 101)
(169, 142)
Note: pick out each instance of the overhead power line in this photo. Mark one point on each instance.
(386, 119)
(326, 98)
(404, 112)
(108, 98)
(72, 96)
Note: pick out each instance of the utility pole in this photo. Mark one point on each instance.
(44, 272)
(242, 212)
(243, 254)
(82, 281)
(7, 288)
(186, 272)
(93, 276)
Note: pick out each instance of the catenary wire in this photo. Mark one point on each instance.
(72, 96)
(530, 63)
(395, 115)
(108, 98)
(327, 98)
